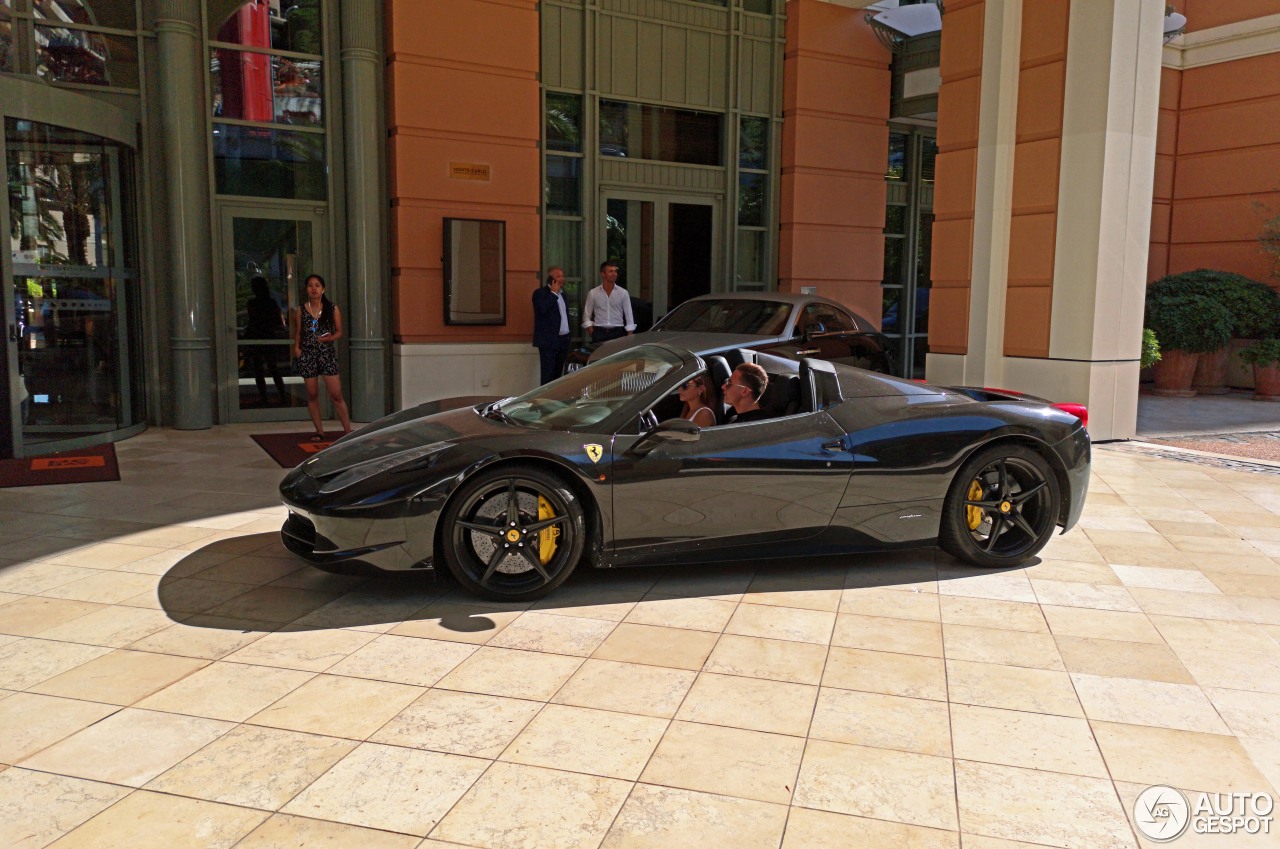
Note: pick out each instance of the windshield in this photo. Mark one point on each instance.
(588, 396)
(728, 315)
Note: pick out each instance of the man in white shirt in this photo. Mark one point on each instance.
(607, 314)
(551, 325)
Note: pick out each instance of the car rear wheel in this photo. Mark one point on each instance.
(514, 533)
(1002, 507)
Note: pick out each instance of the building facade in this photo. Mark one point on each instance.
(996, 190)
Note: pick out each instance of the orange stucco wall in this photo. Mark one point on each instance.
(1036, 166)
(835, 141)
(1204, 14)
(462, 87)
(959, 99)
(1222, 125)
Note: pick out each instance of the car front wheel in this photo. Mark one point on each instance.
(1002, 507)
(513, 534)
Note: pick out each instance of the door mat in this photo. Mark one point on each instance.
(84, 465)
(290, 449)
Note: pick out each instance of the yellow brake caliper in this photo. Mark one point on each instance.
(974, 514)
(547, 536)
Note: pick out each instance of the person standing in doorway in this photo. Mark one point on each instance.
(315, 326)
(607, 314)
(265, 322)
(551, 325)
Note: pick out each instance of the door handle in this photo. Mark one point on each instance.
(834, 445)
(805, 352)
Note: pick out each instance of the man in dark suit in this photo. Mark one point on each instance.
(551, 325)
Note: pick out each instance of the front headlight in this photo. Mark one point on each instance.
(412, 458)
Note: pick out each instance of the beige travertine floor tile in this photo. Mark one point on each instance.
(1040, 807)
(727, 761)
(208, 637)
(254, 767)
(367, 608)
(814, 829)
(992, 613)
(32, 722)
(29, 615)
(1154, 703)
(1101, 624)
(1251, 715)
(543, 632)
(39, 807)
(459, 723)
(119, 678)
(390, 788)
(1215, 545)
(1129, 793)
(777, 660)
(458, 623)
(1095, 572)
(1012, 687)
(26, 662)
(105, 555)
(1136, 555)
(1211, 667)
(1008, 648)
(627, 687)
(513, 673)
(114, 626)
(1200, 529)
(405, 660)
(981, 583)
(557, 810)
(283, 831)
(1119, 659)
(782, 623)
(892, 635)
(663, 817)
(1264, 611)
(130, 747)
(884, 672)
(1257, 586)
(886, 722)
(827, 598)
(1031, 740)
(878, 783)
(698, 614)
(1183, 759)
(1266, 757)
(338, 707)
(156, 821)
(1120, 538)
(597, 742)
(272, 604)
(890, 603)
(250, 569)
(1075, 548)
(1193, 605)
(227, 691)
(311, 651)
(188, 595)
(753, 703)
(1154, 577)
(106, 587)
(726, 584)
(902, 570)
(657, 646)
(590, 602)
(1095, 596)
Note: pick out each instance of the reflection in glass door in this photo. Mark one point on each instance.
(666, 246)
(266, 256)
(72, 291)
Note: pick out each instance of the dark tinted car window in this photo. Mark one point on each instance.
(831, 319)
(728, 315)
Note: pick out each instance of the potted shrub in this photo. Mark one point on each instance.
(1253, 306)
(1186, 327)
(1150, 349)
(1264, 356)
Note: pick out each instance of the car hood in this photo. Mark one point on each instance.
(697, 342)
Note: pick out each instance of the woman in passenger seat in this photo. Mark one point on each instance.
(696, 395)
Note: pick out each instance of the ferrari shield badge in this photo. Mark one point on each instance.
(594, 451)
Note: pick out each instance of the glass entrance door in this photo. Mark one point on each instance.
(265, 256)
(666, 245)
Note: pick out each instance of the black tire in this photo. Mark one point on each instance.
(503, 558)
(1002, 507)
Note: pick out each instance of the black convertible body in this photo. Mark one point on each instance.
(596, 467)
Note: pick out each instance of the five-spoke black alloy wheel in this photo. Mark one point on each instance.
(1001, 508)
(513, 533)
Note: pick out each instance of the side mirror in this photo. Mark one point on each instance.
(670, 431)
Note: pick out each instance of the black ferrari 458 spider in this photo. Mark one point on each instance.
(511, 495)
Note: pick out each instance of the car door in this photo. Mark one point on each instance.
(757, 485)
(828, 333)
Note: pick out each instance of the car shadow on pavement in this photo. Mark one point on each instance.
(251, 583)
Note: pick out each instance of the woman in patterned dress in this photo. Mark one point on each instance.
(315, 326)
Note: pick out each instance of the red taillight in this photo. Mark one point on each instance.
(1080, 411)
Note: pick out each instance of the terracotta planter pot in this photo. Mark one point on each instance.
(1174, 373)
(1266, 382)
(1211, 373)
(1239, 373)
